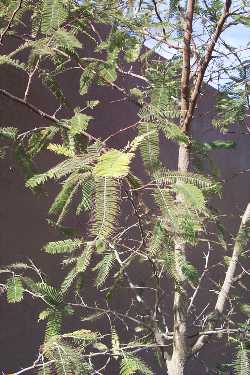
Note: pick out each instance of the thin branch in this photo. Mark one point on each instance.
(240, 242)
(10, 22)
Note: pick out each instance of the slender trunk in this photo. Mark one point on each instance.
(176, 365)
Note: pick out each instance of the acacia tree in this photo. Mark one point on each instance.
(161, 215)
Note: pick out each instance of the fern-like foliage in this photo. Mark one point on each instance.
(165, 177)
(149, 147)
(87, 192)
(160, 241)
(103, 268)
(8, 132)
(60, 150)
(64, 198)
(191, 195)
(131, 364)
(60, 170)
(64, 246)
(53, 15)
(106, 207)
(179, 219)
(66, 40)
(51, 295)
(80, 266)
(241, 364)
(15, 289)
(65, 352)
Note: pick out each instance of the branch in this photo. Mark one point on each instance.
(204, 64)
(240, 243)
(32, 107)
(10, 22)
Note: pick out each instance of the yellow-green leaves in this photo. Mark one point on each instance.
(113, 163)
(60, 150)
(66, 40)
(108, 73)
(79, 123)
(53, 15)
(14, 289)
(192, 195)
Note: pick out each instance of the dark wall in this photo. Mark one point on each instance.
(24, 229)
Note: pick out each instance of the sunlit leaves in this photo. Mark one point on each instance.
(113, 163)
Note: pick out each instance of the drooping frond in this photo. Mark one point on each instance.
(64, 246)
(64, 197)
(149, 147)
(60, 170)
(160, 241)
(80, 267)
(241, 363)
(106, 207)
(177, 218)
(173, 132)
(191, 195)
(54, 323)
(103, 269)
(5, 59)
(60, 150)
(53, 15)
(15, 289)
(64, 353)
(8, 132)
(87, 192)
(131, 364)
(164, 177)
(84, 335)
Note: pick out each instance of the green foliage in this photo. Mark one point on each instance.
(66, 40)
(53, 15)
(131, 364)
(149, 147)
(191, 195)
(64, 246)
(103, 268)
(174, 132)
(60, 170)
(52, 296)
(9, 133)
(160, 241)
(106, 207)
(241, 363)
(113, 163)
(165, 177)
(140, 226)
(15, 289)
(80, 266)
(64, 198)
(60, 150)
(86, 195)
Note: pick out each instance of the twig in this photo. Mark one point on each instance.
(10, 22)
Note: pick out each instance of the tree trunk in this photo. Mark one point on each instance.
(176, 365)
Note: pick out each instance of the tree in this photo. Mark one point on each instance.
(165, 213)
